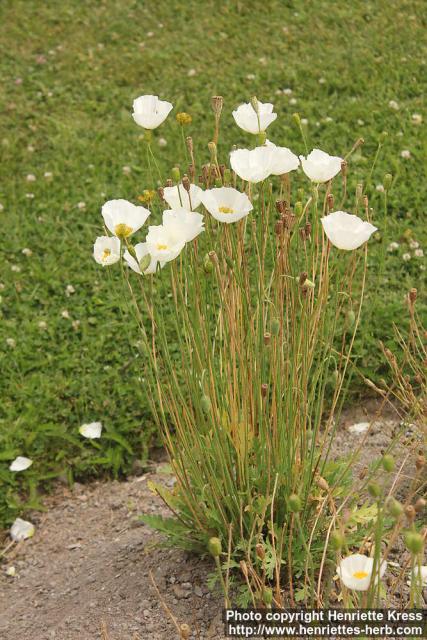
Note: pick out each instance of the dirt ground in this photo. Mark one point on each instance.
(85, 573)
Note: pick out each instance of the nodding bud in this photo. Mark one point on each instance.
(414, 541)
(244, 568)
(410, 513)
(322, 484)
(161, 193)
(254, 103)
(297, 119)
(185, 631)
(264, 389)
(374, 489)
(260, 551)
(278, 227)
(186, 182)
(169, 182)
(298, 208)
(344, 166)
(388, 463)
(337, 540)
(307, 229)
(394, 507)
(214, 547)
(176, 174)
(330, 201)
(280, 206)
(365, 200)
(303, 277)
(388, 179)
(217, 103)
(294, 502)
(213, 257)
(267, 338)
(205, 403)
(412, 295)
(275, 327)
(420, 505)
(207, 264)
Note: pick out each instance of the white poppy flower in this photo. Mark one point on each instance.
(226, 204)
(21, 530)
(189, 224)
(141, 250)
(149, 112)
(20, 464)
(282, 160)
(178, 198)
(123, 218)
(91, 431)
(252, 122)
(106, 250)
(253, 165)
(164, 242)
(347, 231)
(320, 166)
(355, 571)
(419, 572)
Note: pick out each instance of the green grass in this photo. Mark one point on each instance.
(81, 64)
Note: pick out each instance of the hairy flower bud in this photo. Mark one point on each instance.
(394, 507)
(295, 504)
(298, 208)
(337, 540)
(176, 174)
(214, 547)
(374, 489)
(414, 542)
(207, 264)
(388, 462)
(420, 505)
(205, 403)
(322, 484)
(410, 513)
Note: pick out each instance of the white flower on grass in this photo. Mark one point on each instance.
(1, 207)
(162, 142)
(42, 325)
(11, 343)
(106, 250)
(320, 166)
(393, 246)
(282, 159)
(252, 165)
(178, 198)
(380, 188)
(420, 576)
(191, 73)
(81, 206)
(414, 244)
(416, 118)
(31, 177)
(355, 571)
(406, 257)
(149, 112)
(27, 252)
(418, 253)
(141, 250)
(20, 464)
(21, 530)
(347, 231)
(252, 122)
(91, 431)
(48, 175)
(164, 242)
(123, 218)
(405, 154)
(393, 105)
(227, 204)
(189, 224)
(127, 170)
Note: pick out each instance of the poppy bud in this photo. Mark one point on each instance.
(189, 141)
(275, 327)
(410, 513)
(227, 175)
(322, 484)
(205, 403)
(351, 317)
(330, 201)
(176, 174)
(145, 261)
(207, 264)
(213, 257)
(394, 507)
(294, 503)
(254, 103)
(374, 489)
(214, 547)
(344, 166)
(388, 462)
(414, 541)
(264, 389)
(337, 540)
(420, 505)
(413, 295)
(298, 208)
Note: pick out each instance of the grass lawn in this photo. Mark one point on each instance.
(69, 72)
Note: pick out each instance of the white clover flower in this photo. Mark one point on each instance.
(287, 91)
(11, 343)
(162, 142)
(250, 121)
(189, 224)
(42, 325)
(123, 218)
(21, 530)
(149, 112)
(405, 154)
(141, 251)
(75, 324)
(15, 268)
(414, 244)
(406, 257)
(30, 148)
(380, 188)
(81, 206)
(355, 571)
(416, 118)
(69, 290)
(253, 165)
(106, 250)
(293, 101)
(126, 170)
(30, 196)
(178, 198)
(21, 463)
(304, 121)
(227, 204)
(48, 175)
(320, 166)
(420, 576)
(164, 243)
(191, 73)
(282, 160)
(31, 177)
(91, 431)
(346, 231)
(393, 105)
(393, 246)
(418, 253)
(65, 314)
(27, 252)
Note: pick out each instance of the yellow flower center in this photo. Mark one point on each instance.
(226, 210)
(106, 253)
(122, 230)
(162, 247)
(360, 575)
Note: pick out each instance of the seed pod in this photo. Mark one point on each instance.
(420, 505)
(410, 513)
(213, 257)
(298, 208)
(264, 390)
(308, 229)
(280, 206)
(322, 484)
(185, 631)
(278, 227)
(413, 295)
(186, 182)
(217, 104)
(207, 264)
(330, 201)
(344, 167)
(214, 547)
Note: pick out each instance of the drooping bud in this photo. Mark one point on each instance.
(255, 104)
(214, 547)
(388, 462)
(205, 403)
(322, 484)
(207, 264)
(189, 141)
(410, 513)
(344, 167)
(414, 541)
(213, 257)
(294, 502)
(394, 507)
(298, 208)
(176, 174)
(330, 201)
(161, 193)
(374, 489)
(212, 150)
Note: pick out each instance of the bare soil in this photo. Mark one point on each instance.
(85, 575)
